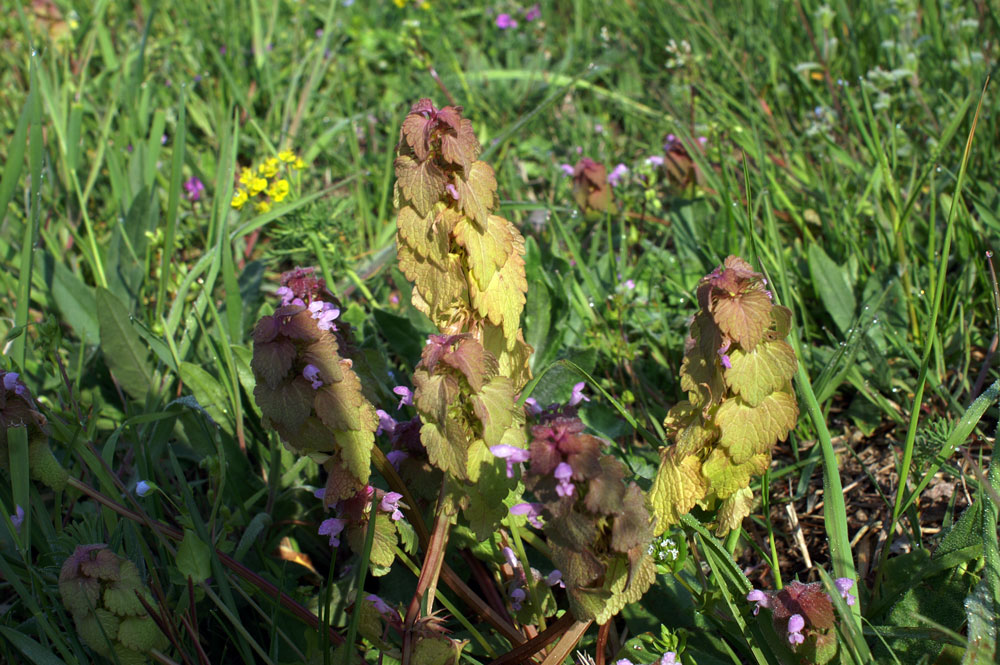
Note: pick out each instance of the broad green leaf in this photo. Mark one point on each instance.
(422, 183)
(209, 393)
(446, 446)
(494, 406)
(77, 302)
(833, 287)
(477, 195)
(757, 373)
(744, 317)
(725, 477)
(750, 430)
(194, 558)
(487, 246)
(503, 298)
(122, 347)
(677, 488)
(732, 511)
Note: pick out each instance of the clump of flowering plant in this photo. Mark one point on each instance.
(803, 614)
(591, 187)
(598, 526)
(102, 592)
(307, 391)
(737, 372)
(18, 409)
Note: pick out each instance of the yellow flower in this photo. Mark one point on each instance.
(257, 186)
(299, 164)
(279, 190)
(399, 3)
(262, 206)
(239, 198)
(269, 167)
(246, 177)
(287, 156)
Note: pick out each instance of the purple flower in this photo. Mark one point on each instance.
(319, 32)
(11, 382)
(795, 625)
(723, 356)
(506, 21)
(197, 78)
(671, 142)
(702, 141)
(533, 511)
(623, 661)
(381, 606)
(844, 585)
(450, 188)
(406, 396)
(599, 128)
(332, 527)
(759, 597)
(390, 504)
(655, 160)
(512, 454)
(386, 423)
(578, 395)
(142, 488)
(555, 579)
(532, 405)
(311, 372)
(516, 598)
(534, 13)
(567, 169)
(17, 518)
(395, 457)
(324, 313)
(222, 50)
(320, 493)
(629, 284)
(669, 658)
(563, 473)
(511, 558)
(163, 140)
(193, 188)
(286, 295)
(617, 174)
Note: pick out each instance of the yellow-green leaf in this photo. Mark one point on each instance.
(757, 373)
(750, 430)
(678, 486)
(744, 317)
(488, 246)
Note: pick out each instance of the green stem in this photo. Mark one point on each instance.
(352, 630)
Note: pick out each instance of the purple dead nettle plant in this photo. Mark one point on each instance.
(803, 614)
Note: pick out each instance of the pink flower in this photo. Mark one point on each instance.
(311, 372)
(452, 190)
(567, 169)
(669, 658)
(193, 188)
(655, 160)
(406, 396)
(395, 457)
(844, 585)
(563, 473)
(617, 174)
(532, 405)
(759, 597)
(390, 504)
(324, 313)
(578, 395)
(555, 579)
(386, 423)
(533, 511)
(512, 454)
(332, 527)
(534, 13)
(506, 21)
(17, 518)
(517, 596)
(795, 625)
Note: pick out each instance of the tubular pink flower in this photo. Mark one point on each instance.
(563, 473)
(512, 455)
(578, 395)
(532, 511)
(390, 504)
(617, 174)
(795, 625)
(311, 372)
(844, 585)
(332, 527)
(759, 597)
(406, 396)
